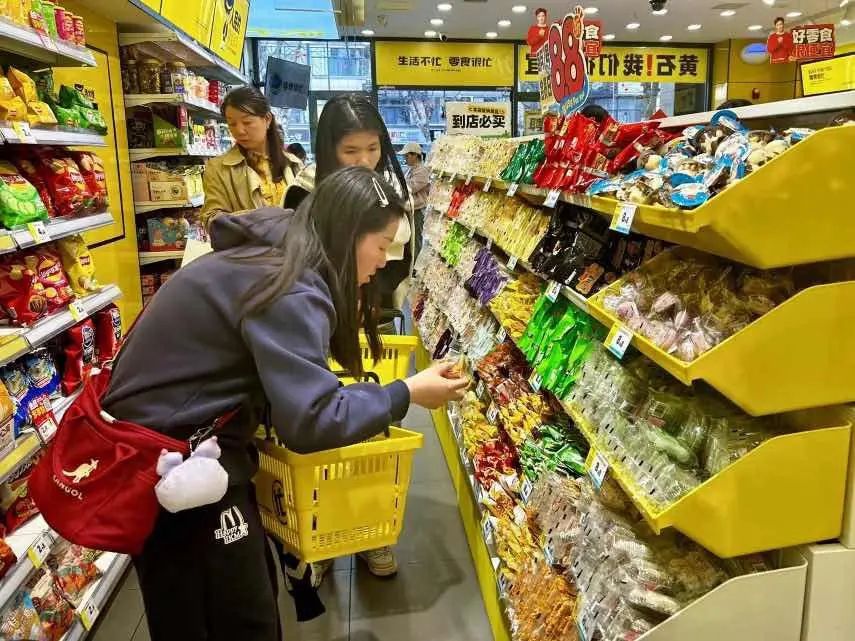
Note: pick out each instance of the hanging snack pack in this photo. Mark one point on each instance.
(79, 355)
(77, 261)
(19, 200)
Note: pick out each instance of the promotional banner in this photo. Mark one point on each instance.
(827, 76)
(229, 30)
(805, 42)
(478, 118)
(563, 70)
(287, 84)
(444, 64)
(532, 122)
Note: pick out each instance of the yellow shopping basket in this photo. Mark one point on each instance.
(338, 502)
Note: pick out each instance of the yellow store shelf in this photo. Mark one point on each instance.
(788, 491)
(796, 209)
(799, 355)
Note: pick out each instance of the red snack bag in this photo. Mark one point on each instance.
(7, 558)
(21, 295)
(108, 334)
(15, 500)
(50, 276)
(71, 196)
(92, 169)
(79, 355)
(29, 171)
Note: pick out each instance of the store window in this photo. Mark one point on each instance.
(418, 115)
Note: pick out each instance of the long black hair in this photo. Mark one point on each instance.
(347, 114)
(251, 101)
(322, 236)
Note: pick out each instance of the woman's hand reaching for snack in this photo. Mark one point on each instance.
(437, 385)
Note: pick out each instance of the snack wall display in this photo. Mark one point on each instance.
(49, 18)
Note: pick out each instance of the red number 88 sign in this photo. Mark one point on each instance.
(568, 75)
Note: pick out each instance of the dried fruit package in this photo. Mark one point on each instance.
(74, 570)
(78, 264)
(19, 200)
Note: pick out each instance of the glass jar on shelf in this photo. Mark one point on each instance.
(179, 77)
(130, 77)
(149, 73)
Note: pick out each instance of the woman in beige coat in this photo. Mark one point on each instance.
(257, 170)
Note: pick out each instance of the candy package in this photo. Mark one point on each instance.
(108, 334)
(77, 261)
(79, 355)
(19, 200)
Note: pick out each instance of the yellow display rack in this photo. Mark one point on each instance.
(787, 491)
(799, 355)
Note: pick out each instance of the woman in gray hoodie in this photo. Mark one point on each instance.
(251, 326)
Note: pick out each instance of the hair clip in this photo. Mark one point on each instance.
(384, 202)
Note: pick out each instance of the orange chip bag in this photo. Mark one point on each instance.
(50, 276)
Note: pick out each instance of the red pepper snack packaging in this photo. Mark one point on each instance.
(108, 334)
(79, 355)
(21, 294)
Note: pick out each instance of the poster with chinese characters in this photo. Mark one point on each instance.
(562, 67)
(592, 38)
(813, 42)
(478, 118)
(444, 64)
(287, 84)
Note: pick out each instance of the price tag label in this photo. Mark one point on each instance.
(487, 528)
(501, 335)
(493, 413)
(479, 389)
(618, 340)
(535, 381)
(487, 184)
(77, 310)
(624, 215)
(88, 614)
(46, 429)
(553, 290)
(40, 549)
(38, 232)
(24, 133)
(512, 189)
(552, 198)
(525, 490)
(598, 470)
(512, 263)
(468, 179)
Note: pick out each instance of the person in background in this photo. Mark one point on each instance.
(296, 149)
(256, 171)
(596, 112)
(418, 182)
(281, 291)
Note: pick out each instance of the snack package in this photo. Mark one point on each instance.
(72, 97)
(19, 200)
(29, 171)
(15, 501)
(92, 119)
(7, 430)
(21, 622)
(68, 117)
(21, 296)
(50, 276)
(41, 371)
(79, 355)
(23, 85)
(55, 613)
(74, 570)
(7, 559)
(92, 170)
(17, 385)
(40, 113)
(108, 334)
(77, 261)
(71, 195)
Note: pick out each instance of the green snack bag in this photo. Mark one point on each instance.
(20, 202)
(92, 119)
(68, 116)
(166, 134)
(73, 97)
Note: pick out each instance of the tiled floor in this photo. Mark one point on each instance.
(434, 596)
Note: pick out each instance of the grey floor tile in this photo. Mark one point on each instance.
(432, 530)
(332, 626)
(142, 632)
(122, 618)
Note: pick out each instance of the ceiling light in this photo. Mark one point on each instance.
(519, 8)
(843, 3)
(727, 13)
(609, 36)
(504, 23)
(845, 22)
(367, 32)
(491, 34)
(589, 11)
(659, 12)
(633, 25)
(769, 3)
(430, 33)
(444, 6)
(666, 38)
(794, 14)
(437, 22)
(694, 27)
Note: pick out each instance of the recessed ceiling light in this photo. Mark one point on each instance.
(633, 25)
(755, 27)
(727, 13)
(491, 34)
(659, 12)
(794, 14)
(694, 27)
(519, 8)
(589, 11)
(609, 36)
(845, 22)
(437, 22)
(367, 32)
(666, 38)
(504, 23)
(430, 33)
(769, 3)
(443, 6)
